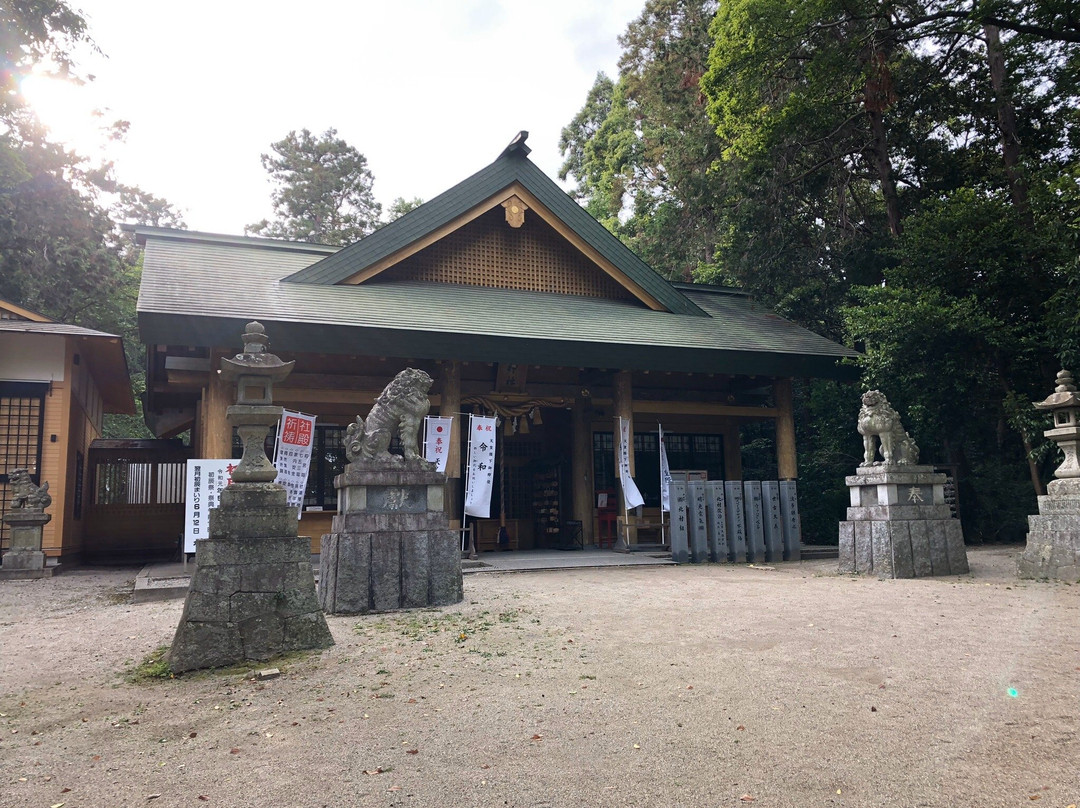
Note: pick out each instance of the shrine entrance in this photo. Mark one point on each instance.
(531, 499)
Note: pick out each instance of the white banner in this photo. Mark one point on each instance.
(292, 454)
(665, 476)
(437, 431)
(631, 495)
(481, 472)
(205, 479)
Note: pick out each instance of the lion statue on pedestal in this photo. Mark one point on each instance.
(25, 494)
(399, 409)
(877, 419)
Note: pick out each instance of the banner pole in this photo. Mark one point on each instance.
(663, 539)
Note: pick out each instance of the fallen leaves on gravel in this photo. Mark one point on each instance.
(537, 737)
(746, 798)
(234, 751)
(412, 751)
(378, 770)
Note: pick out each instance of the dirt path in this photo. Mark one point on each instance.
(670, 686)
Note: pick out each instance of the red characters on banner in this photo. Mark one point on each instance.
(296, 431)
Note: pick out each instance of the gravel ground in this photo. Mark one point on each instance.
(657, 686)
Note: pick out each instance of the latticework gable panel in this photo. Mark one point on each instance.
(8, 314)
(489, 252)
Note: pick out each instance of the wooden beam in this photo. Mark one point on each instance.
(293, 394)
(694, 408)
(786, 457)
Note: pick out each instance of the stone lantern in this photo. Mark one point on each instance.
(1053, 541)
(252, 595)
(1064, 405)
(254, 372)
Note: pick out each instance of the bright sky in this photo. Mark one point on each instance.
(430, 91)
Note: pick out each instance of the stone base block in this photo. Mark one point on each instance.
(903, 548)
(1053, 542)
(391, 546)
(386, 570)
(25, 565)
(899, 526)
(23, 560)
(249, 599)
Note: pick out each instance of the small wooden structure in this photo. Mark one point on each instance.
(135, 510)
(56, 383)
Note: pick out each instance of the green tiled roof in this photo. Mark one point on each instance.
(512, 166)
(200, 289)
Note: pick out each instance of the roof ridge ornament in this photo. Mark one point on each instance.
(517, 145)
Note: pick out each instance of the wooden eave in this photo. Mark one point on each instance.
(19, 311)
(536, 207)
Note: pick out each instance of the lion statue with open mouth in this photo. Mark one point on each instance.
(399, 410)
(879, 421)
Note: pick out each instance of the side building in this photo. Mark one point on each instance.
(519, 304)
(56, 383)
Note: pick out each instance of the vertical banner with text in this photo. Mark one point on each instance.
(631, 495)
(437, 430)
(292, 454)
(205, 479)
(665, 476)
(481, 472)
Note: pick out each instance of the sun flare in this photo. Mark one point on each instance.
(67, 110)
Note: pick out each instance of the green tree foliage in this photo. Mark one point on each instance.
(400, 206)
(321, 190)
(901, 176)
(61, 251)
(641, 147)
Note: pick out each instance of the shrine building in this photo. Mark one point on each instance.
(519, 304)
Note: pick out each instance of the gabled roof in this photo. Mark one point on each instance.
(511, 173)
(200, 289)
(104, 351)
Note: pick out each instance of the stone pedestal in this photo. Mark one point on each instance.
(252, 595)
(899, 526)
(1053, 542)
(392, 547)
(25, 559)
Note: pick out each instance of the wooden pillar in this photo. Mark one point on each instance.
(786, 461)
(450, 406)
(217, 396)
(624, 408)
(732, 450)
(582, 488)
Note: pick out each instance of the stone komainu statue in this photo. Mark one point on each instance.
(25, 494)
(877, 419)
(399, 409)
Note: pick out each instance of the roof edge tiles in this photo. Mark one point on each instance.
(512, 166)
(141, 232)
